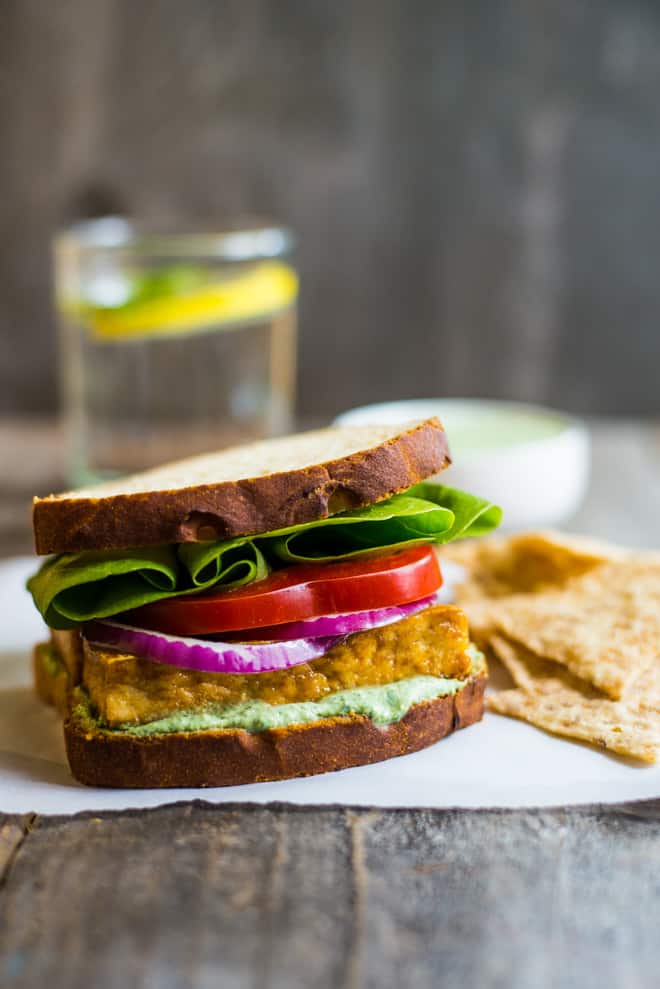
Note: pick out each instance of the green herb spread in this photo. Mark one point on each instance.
(384, 704)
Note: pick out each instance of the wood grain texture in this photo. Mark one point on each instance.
(474, 185)
(13, 831)
(297, 897)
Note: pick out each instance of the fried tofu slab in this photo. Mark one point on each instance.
(125, 689)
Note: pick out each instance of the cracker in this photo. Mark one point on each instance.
(552, 698)
(577, 626)
(533, 673)
(645, 691)
(500, 567)
(609, 724)
(524, 563)
(604, 626)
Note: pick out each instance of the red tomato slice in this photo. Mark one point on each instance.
(307, 590)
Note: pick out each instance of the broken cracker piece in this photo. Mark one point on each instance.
(609, 724)
(533, 673)
(550, 697)
(525, 563)
(604, 626)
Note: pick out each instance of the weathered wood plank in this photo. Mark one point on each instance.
(455, 172)
(13, 831)
(291, 897)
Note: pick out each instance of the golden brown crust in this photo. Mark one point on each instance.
(228, 758)
(125, 689)
(241, 507)
(51, 686)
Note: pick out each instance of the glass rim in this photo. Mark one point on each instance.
(119, 234)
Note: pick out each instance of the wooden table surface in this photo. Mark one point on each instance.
(275, 896)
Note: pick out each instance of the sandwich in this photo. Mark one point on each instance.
(269, 611)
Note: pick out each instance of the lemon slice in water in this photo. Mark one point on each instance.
(266, 288)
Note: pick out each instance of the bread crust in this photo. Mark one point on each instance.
(229, 758)
(53, 689)
(243, 506)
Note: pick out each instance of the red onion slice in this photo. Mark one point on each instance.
(297, 642)
(204, 655)
(343, 624)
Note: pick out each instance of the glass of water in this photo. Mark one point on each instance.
(172, 344)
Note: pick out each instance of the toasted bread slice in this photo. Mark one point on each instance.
(228, 758)
(243, 490)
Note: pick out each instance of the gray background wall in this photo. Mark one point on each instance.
(476, 185)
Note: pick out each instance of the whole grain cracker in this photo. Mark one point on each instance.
(552, 698)
(500, 567)
(533, 673)
(609, 724)
(646, 690)
(525, 563)
(604, 626)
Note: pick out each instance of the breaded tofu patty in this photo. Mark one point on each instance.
(124, 689)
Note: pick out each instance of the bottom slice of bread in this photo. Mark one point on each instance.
(101, 756)
(224, 758)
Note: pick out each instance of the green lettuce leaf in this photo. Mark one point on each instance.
(428, 512)
(74, 588)
(473, 516)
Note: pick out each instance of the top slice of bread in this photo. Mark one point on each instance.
(243, 490)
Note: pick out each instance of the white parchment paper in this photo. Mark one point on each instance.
(498, 763)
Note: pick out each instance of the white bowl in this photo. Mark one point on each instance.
(533, 462)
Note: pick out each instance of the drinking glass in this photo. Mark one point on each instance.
(172, 344)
